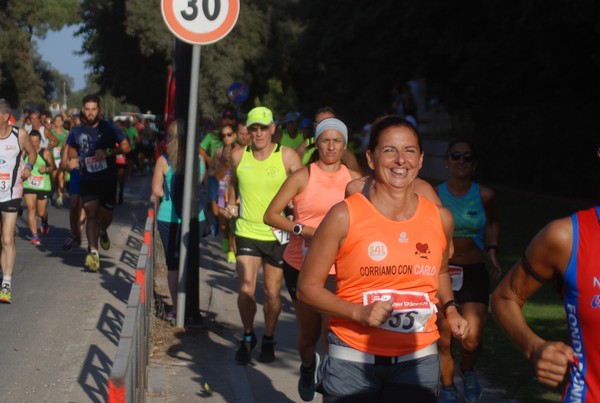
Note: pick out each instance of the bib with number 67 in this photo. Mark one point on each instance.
(411, 310)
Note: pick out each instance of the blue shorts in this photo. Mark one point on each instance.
(213, 188)
(415, 380)
(74, 182)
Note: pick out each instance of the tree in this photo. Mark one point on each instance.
(23, 75)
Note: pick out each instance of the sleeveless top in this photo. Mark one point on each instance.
(37, 180)
(310, 150)
(289, 141)
(468, 213)
(56, 151)
(166, 210)
(328, 189)
(11, 167)
(258, 182)
(380, 254)
(582, 306)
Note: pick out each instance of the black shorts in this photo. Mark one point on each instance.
(41, 194)
(476, 284)
(290, 275)
(104, 191)
(270, 251)
(10, 206)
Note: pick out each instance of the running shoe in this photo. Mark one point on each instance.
(44, 228)
(231, 257)
(471, 386)
(267, 351)
(92, 261)
(5, 294)
(35, 240)
(104, 240)
(244, 353)
(59, 202)
(308, 380)
(71, 241)
(449, 395)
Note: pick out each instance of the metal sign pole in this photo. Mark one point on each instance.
(191, 163)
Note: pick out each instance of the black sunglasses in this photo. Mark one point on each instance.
(467, 156)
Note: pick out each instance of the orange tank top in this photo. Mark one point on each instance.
(324, 189)
(381, 259)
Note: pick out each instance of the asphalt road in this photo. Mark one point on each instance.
(59, 336)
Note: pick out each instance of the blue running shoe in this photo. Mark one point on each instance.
(471, 386)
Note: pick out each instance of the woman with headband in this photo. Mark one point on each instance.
(323, 179)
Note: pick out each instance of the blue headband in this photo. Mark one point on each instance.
(332, 123)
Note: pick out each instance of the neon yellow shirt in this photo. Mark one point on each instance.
(258, 182)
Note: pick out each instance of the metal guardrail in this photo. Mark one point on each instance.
(128, 377)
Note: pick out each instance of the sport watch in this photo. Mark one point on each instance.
(297, 230)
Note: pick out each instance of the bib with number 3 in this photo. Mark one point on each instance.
(411, 310)
(92, 165)
(5, 181)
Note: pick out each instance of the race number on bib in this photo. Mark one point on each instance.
(456, 277)
(36, 182)
(5, 181)
(411, 310)
(92, 165)
(283, 237)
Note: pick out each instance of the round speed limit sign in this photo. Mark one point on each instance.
(200, 22)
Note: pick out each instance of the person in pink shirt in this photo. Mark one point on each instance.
(325, 180)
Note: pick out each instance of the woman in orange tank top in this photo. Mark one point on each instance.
(390, 248)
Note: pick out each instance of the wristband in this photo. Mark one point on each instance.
(29, 165)
(450, 303)
(490, 247)
(109, 151)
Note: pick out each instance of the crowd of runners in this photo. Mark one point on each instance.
(384, 270)
(46, 155)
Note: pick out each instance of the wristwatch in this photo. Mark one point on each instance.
(297, 230)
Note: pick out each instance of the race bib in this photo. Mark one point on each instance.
(120, 159)
(411, 310)
(456, 277)
(92, 165)
(5, 181)
(36, 182)
(56, 153)
(283, 237)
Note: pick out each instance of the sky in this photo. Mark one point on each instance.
(58, 49)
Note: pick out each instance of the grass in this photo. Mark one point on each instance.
(521, 216)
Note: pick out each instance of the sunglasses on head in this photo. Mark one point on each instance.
(466, 156)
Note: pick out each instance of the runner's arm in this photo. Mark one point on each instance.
(547, 255)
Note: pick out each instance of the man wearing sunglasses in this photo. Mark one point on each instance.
(258, 171)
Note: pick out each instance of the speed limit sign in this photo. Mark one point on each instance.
(200, 22)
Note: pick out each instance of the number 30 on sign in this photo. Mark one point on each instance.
(200, 22)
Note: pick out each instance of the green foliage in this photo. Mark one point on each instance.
(24, 77)
(127, 58)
